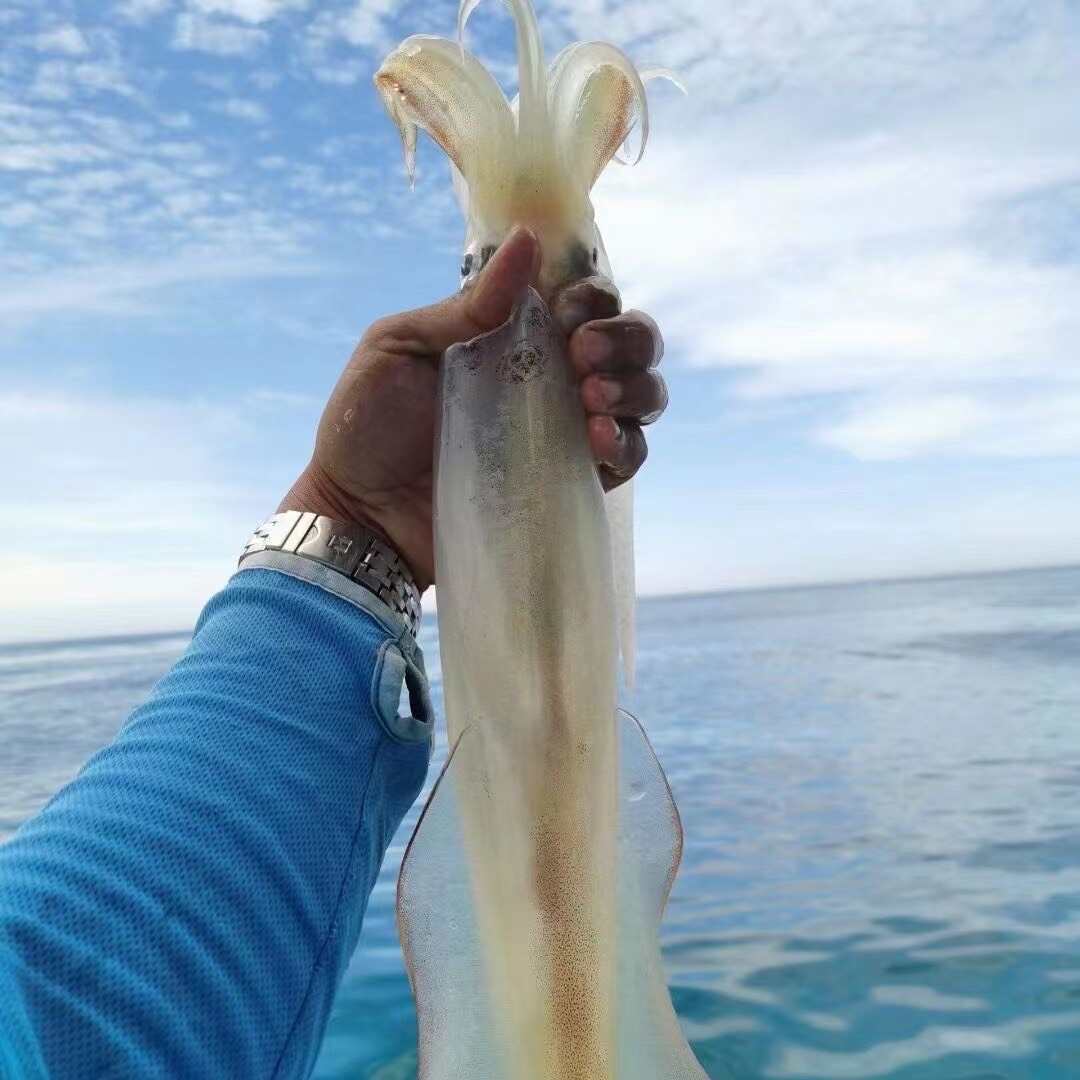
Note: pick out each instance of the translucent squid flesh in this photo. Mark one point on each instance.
(532, 891)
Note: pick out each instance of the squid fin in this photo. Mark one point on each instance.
(650, 1041)
(441, 940)
(459, 1024)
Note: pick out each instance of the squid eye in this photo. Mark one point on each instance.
(467, 265)
(596, 256)
(577, 263)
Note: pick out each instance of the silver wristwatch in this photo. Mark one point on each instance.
(356, 552)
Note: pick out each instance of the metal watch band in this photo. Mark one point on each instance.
(356, 552)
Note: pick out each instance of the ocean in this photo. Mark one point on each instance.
(880, 787)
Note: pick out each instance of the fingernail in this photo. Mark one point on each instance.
(491, 300)
(611, 392)
(617, 432)
(598, 348)
(570, 316)
(522, 234)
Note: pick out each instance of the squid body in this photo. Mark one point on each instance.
(531, 893)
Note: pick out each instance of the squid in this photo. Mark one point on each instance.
(532, 890)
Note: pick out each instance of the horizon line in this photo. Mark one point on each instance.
(15, 645)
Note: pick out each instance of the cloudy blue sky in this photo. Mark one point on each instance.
(860, 234)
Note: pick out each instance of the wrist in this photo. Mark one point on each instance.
(317, 493)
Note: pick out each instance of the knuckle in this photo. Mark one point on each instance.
(396, 335)
(381, 331)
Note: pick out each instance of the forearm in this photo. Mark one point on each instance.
(188, 904)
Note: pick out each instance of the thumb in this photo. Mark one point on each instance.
(488, 302)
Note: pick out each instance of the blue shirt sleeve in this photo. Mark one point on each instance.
(187, 905)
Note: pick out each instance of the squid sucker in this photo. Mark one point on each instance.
(531, 893)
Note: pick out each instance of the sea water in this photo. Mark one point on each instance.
(880, 786)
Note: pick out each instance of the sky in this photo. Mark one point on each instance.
(860, 234)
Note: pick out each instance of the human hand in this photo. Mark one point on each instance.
(375, 443)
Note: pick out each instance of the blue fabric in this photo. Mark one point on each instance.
(186, 907)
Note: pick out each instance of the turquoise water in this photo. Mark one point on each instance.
(880, 786)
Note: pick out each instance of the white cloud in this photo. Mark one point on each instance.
(333, 35)
(46, 157)
(178, 121)
(201, 34)
(365, 23)
(265, 80)
(175, 150)
(183, 204)
(131, 287)
(909, 427)
(20, 213)
(59, 80)
(933, 317)
(140, 11)
(221, 81)
(244, 109)
(65, 38)
(251, 11)
(78, 185)
(1022, 424)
